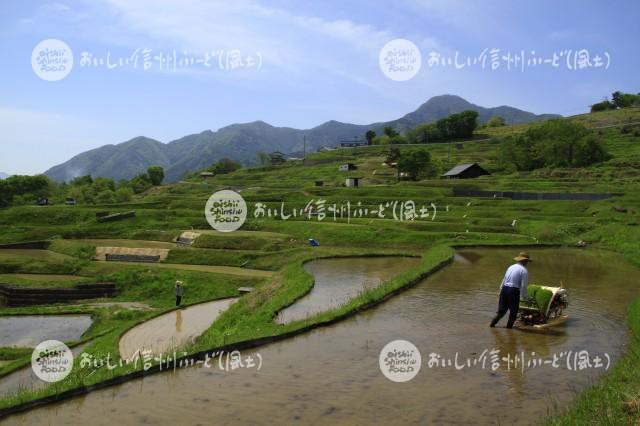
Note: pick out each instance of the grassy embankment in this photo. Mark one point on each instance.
(280, 245)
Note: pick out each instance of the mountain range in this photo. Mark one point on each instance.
(241, 142)
(4, 175)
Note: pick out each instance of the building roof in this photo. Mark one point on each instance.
(460, 168)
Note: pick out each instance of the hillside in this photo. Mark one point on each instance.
(276, 247)
(242, 142)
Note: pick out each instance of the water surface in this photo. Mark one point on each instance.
(336, 281)
(331, 375)
(172, 330)
(30, 330)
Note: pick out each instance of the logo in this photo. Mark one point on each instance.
(400, 361)
(226, 211)
(400, 60)
(52, 361)
(52, 59)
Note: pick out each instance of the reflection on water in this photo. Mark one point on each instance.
(167, 332)
(338, 280)
(25, 378)
(179, 321)
(30, 330)
(331, 375)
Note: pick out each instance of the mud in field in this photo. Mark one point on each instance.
(29, 330)
(331, 375)
(172, 330)
(338, 280)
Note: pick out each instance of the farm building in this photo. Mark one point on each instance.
(466, 171)
(277, 158)
(352, 182)
(346, 167)
(353, 143)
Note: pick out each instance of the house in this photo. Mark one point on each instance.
(353, 143)
(206, 175)
(352, 182)
(346, 167)
(465, 171)
(277, 157)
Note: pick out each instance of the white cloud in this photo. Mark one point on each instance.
(294, 44)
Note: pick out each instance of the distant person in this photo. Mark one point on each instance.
(179, 292)
(514, 285)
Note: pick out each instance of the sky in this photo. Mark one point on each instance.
(303, 63)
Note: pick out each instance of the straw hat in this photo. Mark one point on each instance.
(178, 282)
(523, 256)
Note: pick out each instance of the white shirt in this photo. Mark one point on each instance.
(517, 276)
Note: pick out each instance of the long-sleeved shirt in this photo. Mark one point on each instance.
(179, 290)
(517, 276)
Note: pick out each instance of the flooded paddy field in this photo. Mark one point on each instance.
(340, 279)
(29, 330)
(172, 330)
(331, 375)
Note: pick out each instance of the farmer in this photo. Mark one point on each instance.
(179, 292)
(514, 285)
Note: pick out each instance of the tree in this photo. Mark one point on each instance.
(392, 155)
(105, 197)
(82, 180)
(624, 100)
(463, 124)
(496, 121)
(370, 136)
(124, 194)
(554, 143)
(397, 140)
(602, 106)
(25, 188)
(390, 131)
(225, 165)
(589, 151)
(616, 99)
(424, 133)
(381, 140)
(156, 175)
(416, 164)
(140, 183)
(458, 126)
(263, 158)
(103, 184)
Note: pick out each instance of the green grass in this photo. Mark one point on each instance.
(43, 280)
(281, 247)
(614, 399)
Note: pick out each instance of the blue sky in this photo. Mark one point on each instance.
(319, 61)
